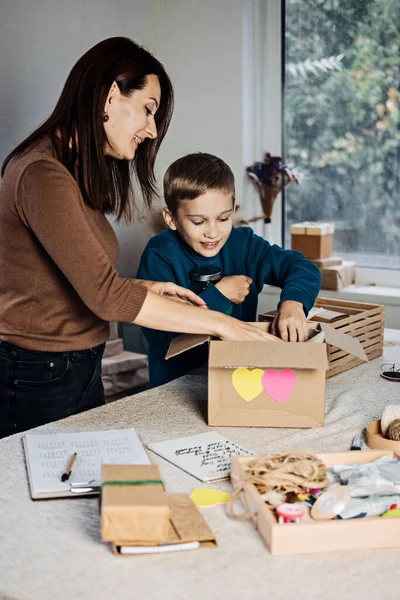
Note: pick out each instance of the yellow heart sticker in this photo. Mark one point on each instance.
(247, 383)
(206, 497)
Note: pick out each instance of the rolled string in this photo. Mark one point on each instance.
(283, 472)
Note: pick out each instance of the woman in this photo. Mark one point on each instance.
(58, 283)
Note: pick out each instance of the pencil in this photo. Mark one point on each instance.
(68, 470)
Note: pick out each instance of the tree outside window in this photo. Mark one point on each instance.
(342, 115)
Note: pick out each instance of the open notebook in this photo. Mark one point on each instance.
(47, 456)
(206, 456)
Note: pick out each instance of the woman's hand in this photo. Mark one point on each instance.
(290, 323)
(239, 331)
(173, 292)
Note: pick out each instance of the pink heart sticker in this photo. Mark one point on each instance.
(279, 384)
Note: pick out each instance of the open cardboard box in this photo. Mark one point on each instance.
(317, 536)
(268, 384)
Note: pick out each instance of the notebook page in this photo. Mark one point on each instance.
(206, 456)
(47, 457)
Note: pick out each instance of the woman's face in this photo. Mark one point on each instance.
(131, 118)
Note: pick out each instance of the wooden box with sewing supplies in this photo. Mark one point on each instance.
(308, 503)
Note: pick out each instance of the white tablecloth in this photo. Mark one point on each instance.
(52, 549)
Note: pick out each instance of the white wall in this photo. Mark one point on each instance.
(198, 41)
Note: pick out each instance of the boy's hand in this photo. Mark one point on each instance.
(290, 323)
(173, 292)
(235, 287)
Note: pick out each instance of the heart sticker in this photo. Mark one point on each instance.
(247, 383)
(279, 384)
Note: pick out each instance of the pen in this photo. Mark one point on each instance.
(68, 470)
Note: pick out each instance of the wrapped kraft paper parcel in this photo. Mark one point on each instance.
(268, 384)
(315, 241)
(137, 514)
(134, 505)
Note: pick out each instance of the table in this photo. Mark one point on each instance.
(52, 549)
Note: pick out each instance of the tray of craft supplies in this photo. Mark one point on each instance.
(320, 514)
(360, 320)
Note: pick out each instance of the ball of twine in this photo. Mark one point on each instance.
(390, 414)
(393, 432)
(286, 472)
(281, 473)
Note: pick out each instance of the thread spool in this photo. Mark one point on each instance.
(390, 414)
(393, 432)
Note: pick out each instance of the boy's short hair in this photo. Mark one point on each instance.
(195, 174)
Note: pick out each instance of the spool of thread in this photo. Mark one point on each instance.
(393, 432)
(390, 414)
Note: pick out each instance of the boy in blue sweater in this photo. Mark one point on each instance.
(199, 192)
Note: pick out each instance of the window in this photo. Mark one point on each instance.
(341, 102)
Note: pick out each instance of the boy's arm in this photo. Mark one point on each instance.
(299, 279)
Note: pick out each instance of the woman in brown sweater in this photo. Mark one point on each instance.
(58, 283)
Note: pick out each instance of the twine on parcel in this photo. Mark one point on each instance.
(282, 473)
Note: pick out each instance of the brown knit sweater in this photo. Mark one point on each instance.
(58, 283)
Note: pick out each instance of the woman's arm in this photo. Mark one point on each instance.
(163, 314)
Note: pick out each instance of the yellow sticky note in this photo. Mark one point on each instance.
(247, 383)
(207, 497)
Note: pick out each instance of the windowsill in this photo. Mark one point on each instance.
(389, 296)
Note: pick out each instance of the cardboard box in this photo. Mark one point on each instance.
(331, 261)
(338, 276)
(364, 322)
(318, 536)
(268, 384)
(314, 240)
(133, 511)
(186, 525)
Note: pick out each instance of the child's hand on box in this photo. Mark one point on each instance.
(235, 287)
(290, 323)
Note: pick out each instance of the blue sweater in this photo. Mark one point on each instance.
(168, 258)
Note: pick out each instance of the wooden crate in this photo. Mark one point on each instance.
(317, 536)
(365, 322)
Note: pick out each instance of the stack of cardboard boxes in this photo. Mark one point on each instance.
(315, 241)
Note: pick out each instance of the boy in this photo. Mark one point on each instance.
(199, 193)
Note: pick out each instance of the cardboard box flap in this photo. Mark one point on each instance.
(267, 354)
(343, 341)
(185, 342)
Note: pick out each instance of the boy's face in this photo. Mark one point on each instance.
(204, 223)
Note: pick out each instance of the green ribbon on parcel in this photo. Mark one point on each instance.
(136, 482)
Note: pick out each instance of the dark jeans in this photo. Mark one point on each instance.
(39, 387)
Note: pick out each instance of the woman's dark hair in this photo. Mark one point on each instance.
(77, 130)
(195, 174)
